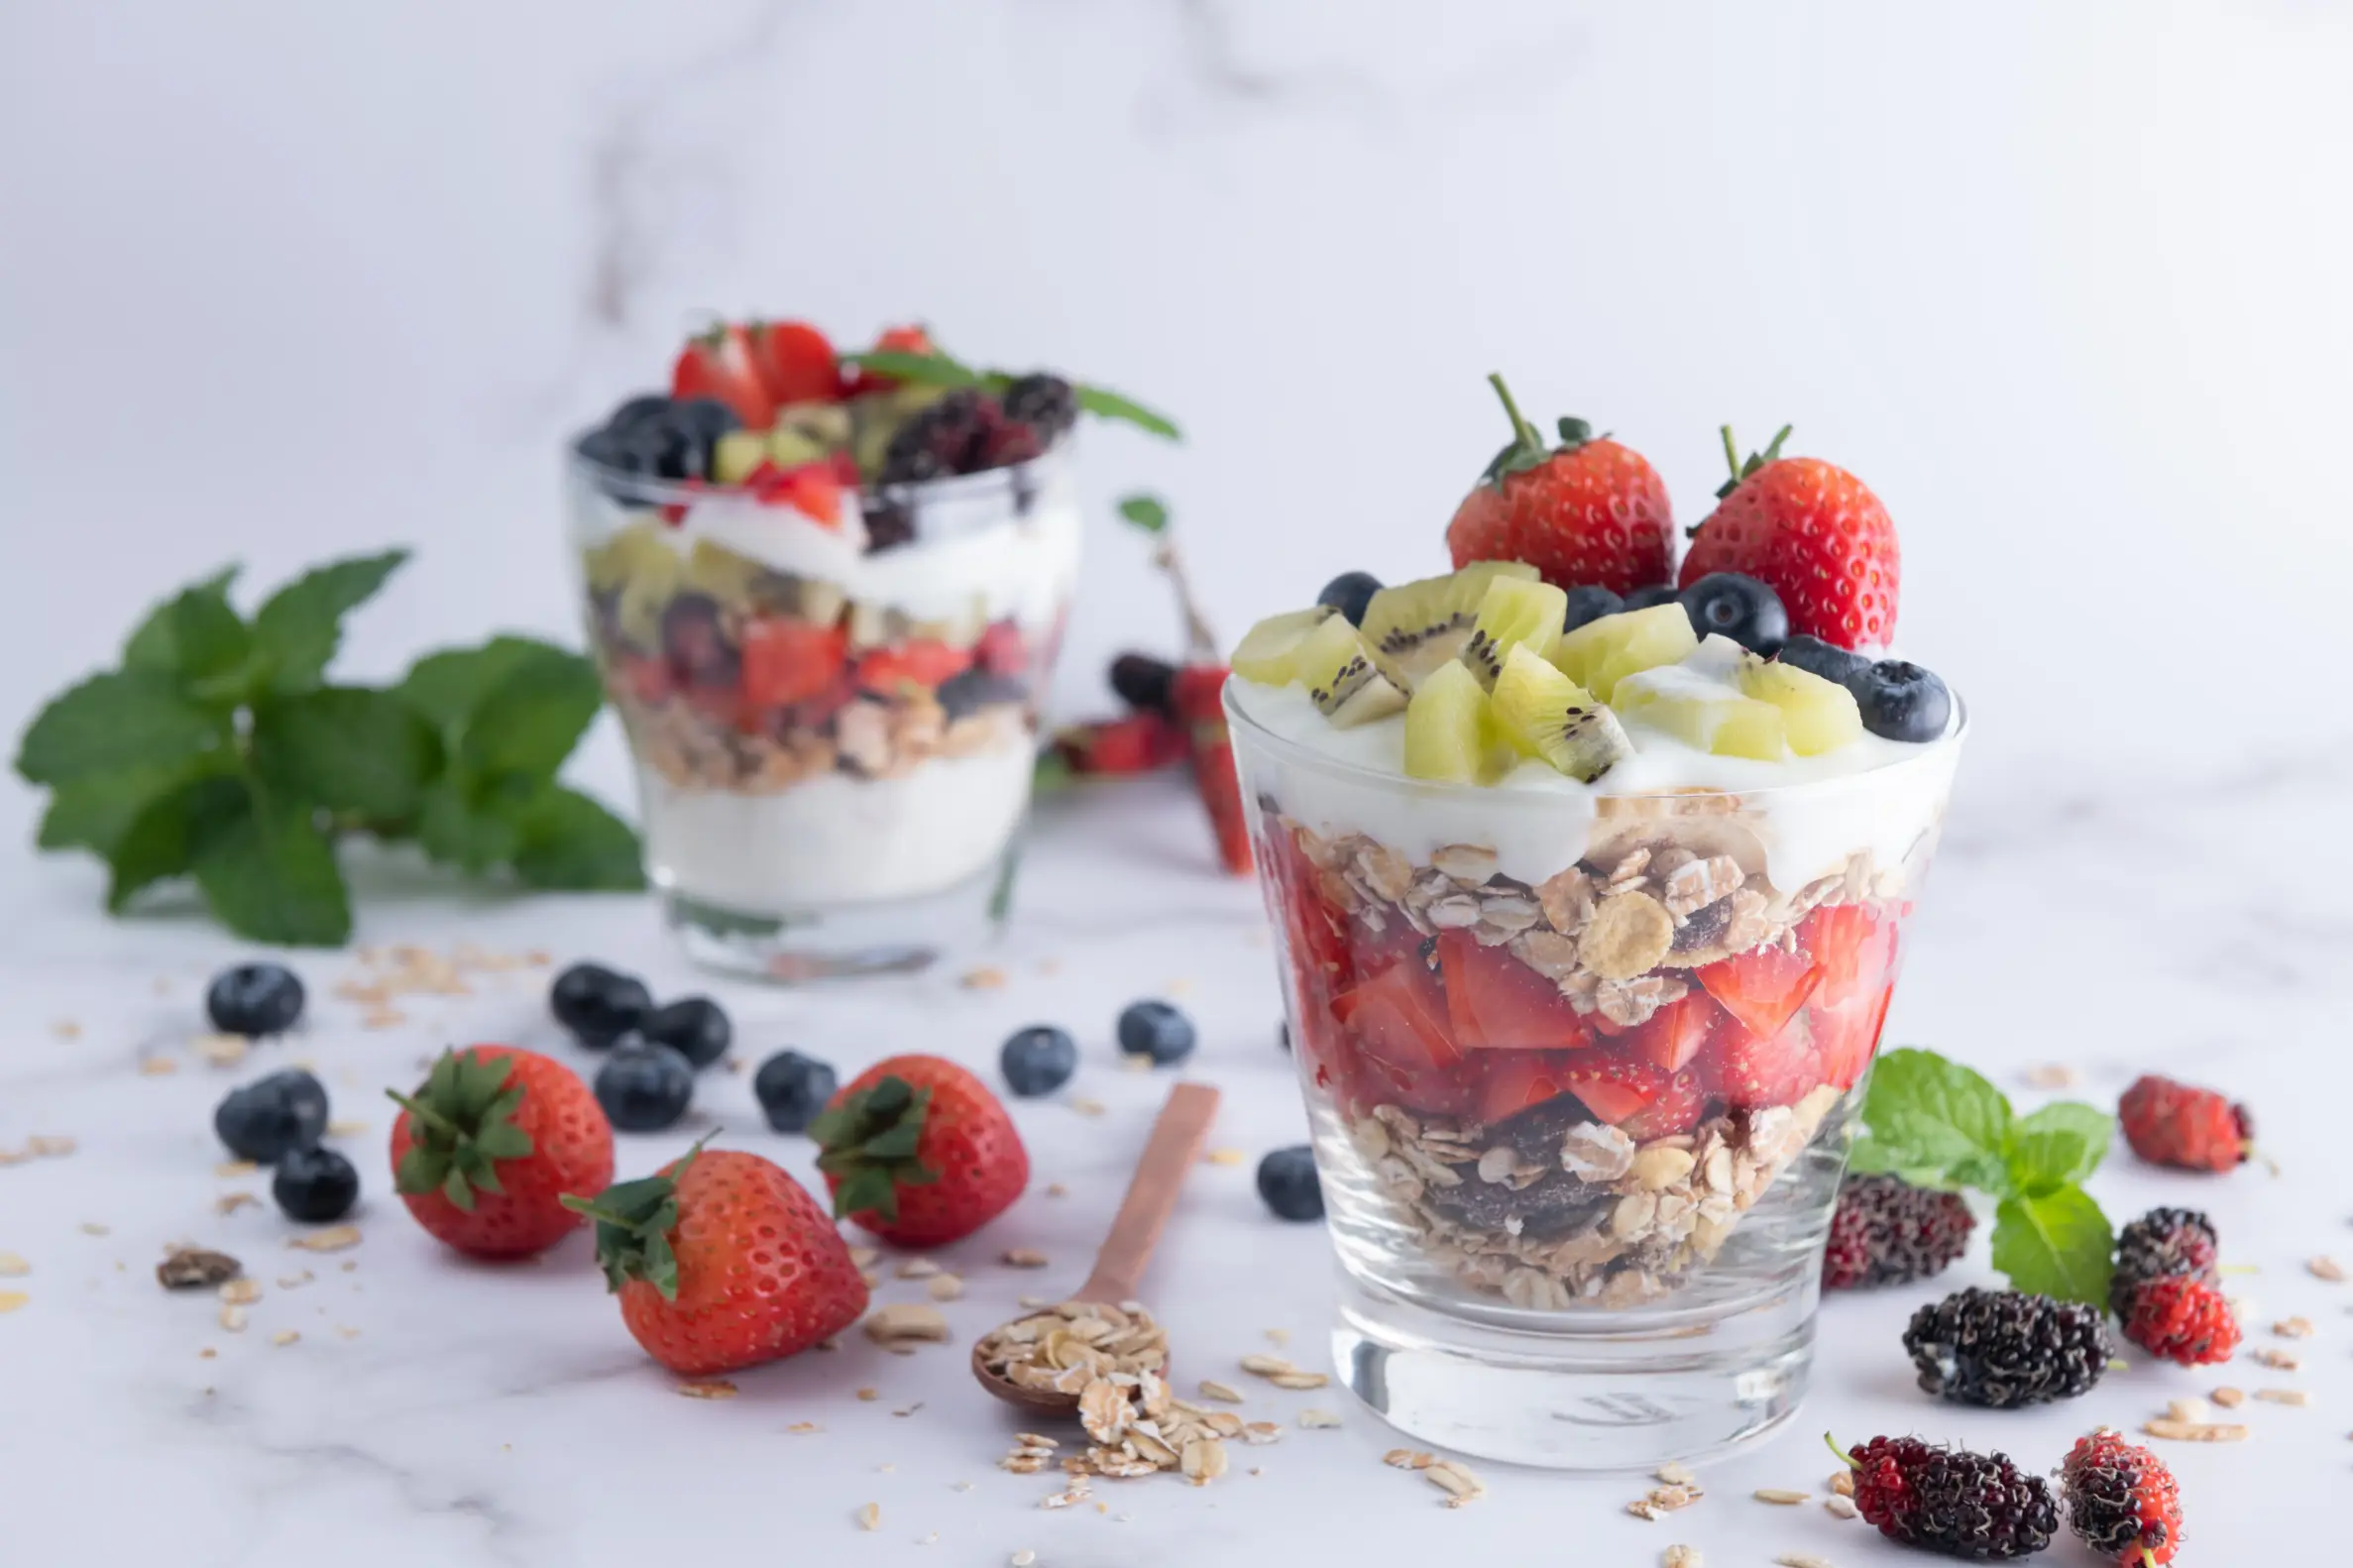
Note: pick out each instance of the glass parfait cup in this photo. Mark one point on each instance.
(831, 700)
(1580, 1071)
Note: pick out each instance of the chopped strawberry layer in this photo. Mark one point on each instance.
(1495, 1002)
(1762, 988)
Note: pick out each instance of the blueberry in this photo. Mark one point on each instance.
(644, 1088)
(792, 1088)
(267, 1118)
(971, 690)
(1731, 605)
(656, 447)
(315, 1186)
(1156, 1030)
(695, 642)
(708, 420)
(1826, 660)
(597, 1005)
(1286, 1180)
(1145, 683)
(693, 1026)
(1349, 593)
(1037, 1059)
(254, 999)
(1589, 603)
(1900, 701)
(637, 409)
(1655, 593)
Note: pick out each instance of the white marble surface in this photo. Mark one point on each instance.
(2065, 283)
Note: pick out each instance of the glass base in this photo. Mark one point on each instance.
(1618, 1391)
(842, 941)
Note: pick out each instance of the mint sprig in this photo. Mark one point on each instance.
(219, 752)
(937, 368)
(1936, 1123)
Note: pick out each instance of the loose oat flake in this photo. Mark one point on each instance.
(2285, 1396)
(797, 1428)
(335, 1237)
(1022, 1258)
(1801, 1560)
(1211, 1388)
(2276, 1359)
(1224, 1157)
(2327, 1269)
(193, 1268)
(241, 1292)
(1457, 1481)
(2230, 1398)
(1777, 1495)
(917, 1269)
(1840, 1508)
(1318, 1420)
(12, 1267)
(2294, 1328)
(945, 1288)
(714, 1389)
(1675, 1475)
(1680, 1557)
(10, 1300)
(2196, 1432)
(902, 1325)
(871, 1516)
(284, 1337)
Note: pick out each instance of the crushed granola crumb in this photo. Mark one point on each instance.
(2294, 1328)
(902, 1325)
(192, 1268)
(1022, 1258)
(713, 1388)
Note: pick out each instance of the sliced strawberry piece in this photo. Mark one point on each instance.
(1613, 1087)
(1316, 930)
(1397, 1020)
(1199, 692)
(1846, 1037)
(720, 364)
(1121, 747)
(795, 362)
(647, 680)
(1509, 1081)
(1673, 1035)
(1753, 1070)
(1002, 650)
(1763, 987)
(1855, 949)
(1677, 1109)
(1495, 1002)
(787, 661)
(924, 662)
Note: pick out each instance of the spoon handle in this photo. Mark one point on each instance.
(1168, 1157)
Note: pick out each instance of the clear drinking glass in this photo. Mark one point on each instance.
(833, 721)
(1580, 1071)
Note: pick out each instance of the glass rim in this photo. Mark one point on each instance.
(653, 491)
(1307, 757)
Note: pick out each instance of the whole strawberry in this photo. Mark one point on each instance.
(1587, 512)
(486, 1148)
(723, 1262)
(1813, 533)
(2176, 1124)
(1198, 693)
(2122, 1501)
(2179, 1317)
(918, 1151)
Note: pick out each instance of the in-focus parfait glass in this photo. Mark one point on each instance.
(831, 700)
(1579, 1070)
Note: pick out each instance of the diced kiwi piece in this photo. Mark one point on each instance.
(1336, 667)
(1268, 651)
(873, 626)
(655, 580)
(1819, 716)
(823, 425)
(1414, 627)
(816, 601)
(1513, 613)
(1544, 714)
(736, 454)
(712, 568)
(1702, 713)
(1449, 733)
(631, 551)
(1601, 653)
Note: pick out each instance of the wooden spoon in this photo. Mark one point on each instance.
(1174, 1150)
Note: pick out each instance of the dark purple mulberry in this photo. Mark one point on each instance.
(1886, 1231)
(2162, 1243)
(2004, 1348)
(1045, 401)
(1951, 1501)
(947, 437)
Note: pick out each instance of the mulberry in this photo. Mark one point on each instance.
(2002, 1349)
(1951, 1501)
(2162, 1242)
(2176, 1124)
(2179, 1317)
(1886, 1231)
(2122, 1501)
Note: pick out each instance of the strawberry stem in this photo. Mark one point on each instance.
(1523, 432)
(423, 1112)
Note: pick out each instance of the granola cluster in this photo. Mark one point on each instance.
(867, 738)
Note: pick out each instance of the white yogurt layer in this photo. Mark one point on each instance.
(1871, 793)
(836, 839)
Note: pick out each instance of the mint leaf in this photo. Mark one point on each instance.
(1146, 511)
(456, 832)
(120, 720)
(154, 646)
(300, 626)
(347, 749)
(919, 370)
(449, 687)
(2057, 1243)
(530, 721)
(269, 874)
(93, 813)
(1104, 403)
(1937, 1116)
(163, 841)
(570, 841)
(2059, 1146)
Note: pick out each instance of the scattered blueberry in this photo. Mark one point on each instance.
(1655, 593)
(644, 1088)
(1738, 607)
(597, 1004)
(1037, 1059)
(1349, 592)
(254, 999)
(1589, 603)
(792, 1088)
(267, 1118)
(1156, 1030)
(1826, 660)
(693, 1026)
(970, 690)
(1286, 1180)
(315, 1186)
(1145, 683)
(1900, 701)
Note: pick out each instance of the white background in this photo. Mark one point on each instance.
(2064, 282)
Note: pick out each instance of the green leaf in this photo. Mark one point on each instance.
(120, 720)
(921, 369)
(299, 627)
(93, 813)
(269, 874)
(448, 686)
(347, 749)
(569, 842)
(1932, 1113)
(455, 832)
(2056, 1244)
(2060, 1144)
(163, 840)
(154, 646)
(1146, 511)
(530, 721)
(1104, 403)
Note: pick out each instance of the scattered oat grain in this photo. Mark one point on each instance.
(2051, 1076)
(2328, 1269)
(945, 1288)
(1777, 1495)
(1675, 1475)
(284, 1337)
(869, 1395)
(1801, 1560)
(1318, 1420)
(348, 1129)
(2196, 1432)
(1057, 1189)
(1460, 1484)
(12, 1267)
(2276, 1359)
(10, 1300)
(223, 1051)
(804, 1428)
(2230, 1398)
(157, 1066)
(2294, 1328)
(902, 1325)
(231, 1202)
(1211, 1388)
(871, 1516)
(2285, 1396)
(241, 1292)
(1087, 1107)
(1022, 1258)
(1840, 1508)
(232, 1317)
(863, 1257)
(1225, 1157)
(1021, 1558)
(713, 1388)
(91, 1227)
(231, 1169)
(2190, 1410)
(987, 977)
(1680, 1557)
(1842, 1483)
(335, 1237)
(916, 1268)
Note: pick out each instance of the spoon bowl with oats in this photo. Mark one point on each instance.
(1041, 1363)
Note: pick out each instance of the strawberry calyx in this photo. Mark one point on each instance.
(1743, 467)
(870, 1140)
(635, 1220)
(461, 1125)
(1527, 449)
